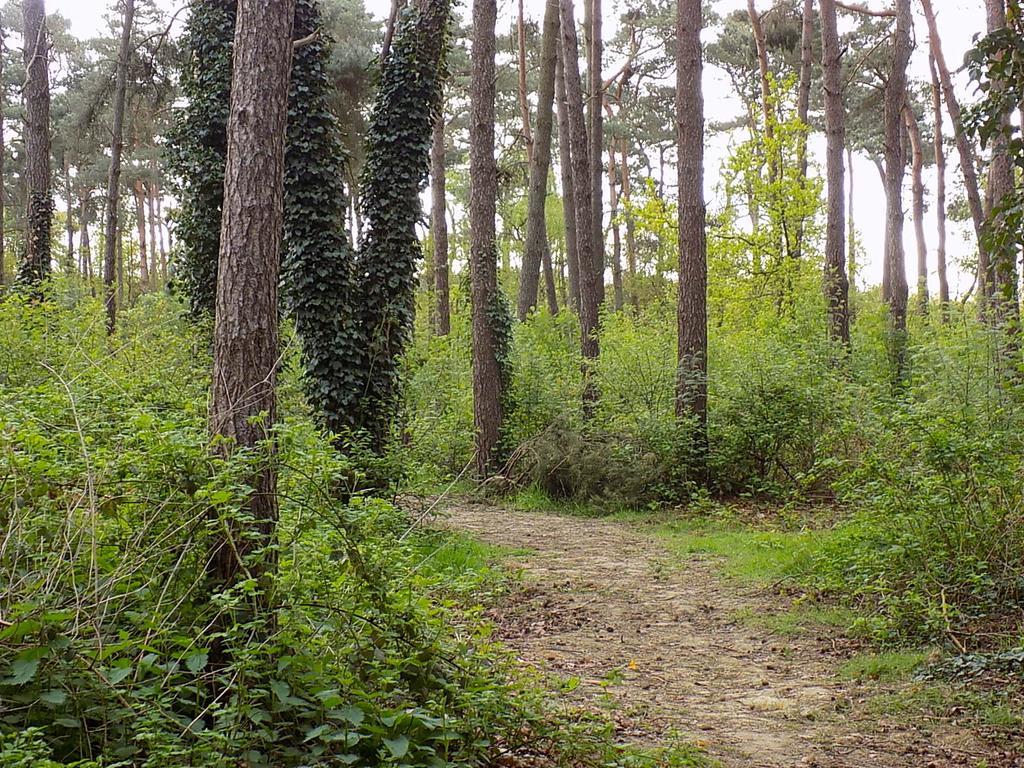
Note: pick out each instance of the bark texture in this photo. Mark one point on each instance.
(940, 192)
(35, 266)
(540, 161)
(572, 248)
(917, 206)
(691, 389)
(488, 395)
(439, 229)
(595, 120)
(837, 285)
(243, 406)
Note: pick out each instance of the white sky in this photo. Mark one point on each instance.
(959, 21)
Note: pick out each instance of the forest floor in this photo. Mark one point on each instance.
(665, 645)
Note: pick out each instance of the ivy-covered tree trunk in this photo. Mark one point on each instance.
(837, 286)
(590, 295)
(397, 162)
(540, 161)
(439, 229)
(489, 337)
(35, 266)
(112, 234)
(572, 248)
(691, 383)
(243, 405)
(940, 191)
(895, 161)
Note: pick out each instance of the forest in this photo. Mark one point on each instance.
(533, 384)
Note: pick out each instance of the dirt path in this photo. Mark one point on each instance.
(665, 645)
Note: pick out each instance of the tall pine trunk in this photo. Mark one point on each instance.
(488, 381)
(917, 206)
(35, 267)
(243, 406)
(940, 192)
(111, 259)
(540, 161)
(837, 284)
(691, 387)
(595, 120)
(439, 229)
(140, 225)
(572, 247)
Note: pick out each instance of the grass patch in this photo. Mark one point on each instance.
(998, 712)
(884, 667)
(800, 620)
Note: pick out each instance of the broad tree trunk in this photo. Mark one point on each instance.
(243, 408)
(439, 229)
(572, 247)
(966, 152)
(488, 381)
(895, 160)
(590, 297)
(940, 192)
(837, 284)
(112, 233)
(596, 126)
(691, 387)
(36, 264)
(917, 187)
(540, 161)
(140, 225)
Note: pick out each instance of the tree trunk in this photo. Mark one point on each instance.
(549, 281)
(940, 192)
(851, 229)
(917, 187)
(627, 198)
(837, 284)
(155, 271)
(243, 407)
(596, 147)
(895, 161)
(767, 107)
(524, 103)
(112, 236)
(1003, 260)
(3, 154)
(84, 248)
(69, 215)
(691, 386)
(488, 382)
(158, 198)
(540, 160)
(581, 173)
(35, 267)
(966, 151)
(572, 248)
(613, 196)
(140, 223)
(804, 107)
(439, 229)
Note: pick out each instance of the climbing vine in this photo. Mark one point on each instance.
(397, 163)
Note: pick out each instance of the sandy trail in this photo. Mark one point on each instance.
(665, 645)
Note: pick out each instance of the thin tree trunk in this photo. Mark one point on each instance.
(917, 187)
(572, 248)
(488, 382)
(155, 264)
(140, 223)
(111, 244)
(691, 387)
(966, 152)
(549, 281)
(36, 265)
(837, 284)
(524, 103)
(581, 173)
(767, 107)
(84, 248)
(596, 146)
(613, 196)
(243, 407)
(540, 160)
(439, 229)
(3, 154)
(851, 229)
(895, 160)
(69, 215)
(940, 192)
(803, 108)
(627, 198)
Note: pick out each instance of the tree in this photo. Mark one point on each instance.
(595, 120)
(579, 150)
(243, 404)
(917, 205)
(3, 153)
(691, 386)
(35, 267)
(489, 339)
(940, 190)
(565, 166)
(895, 161)
(540, 161)
(439, 229)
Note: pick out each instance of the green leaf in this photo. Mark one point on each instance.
(197, 662)
(118, 674)
(56, 697)
(281, 690)
(21, 671)
(398, 746)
